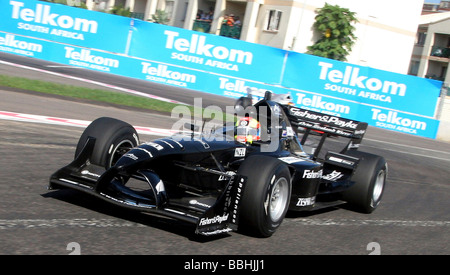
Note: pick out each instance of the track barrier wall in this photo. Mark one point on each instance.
(216, 64)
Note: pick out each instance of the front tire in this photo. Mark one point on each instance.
(113, 139)
(266, 195)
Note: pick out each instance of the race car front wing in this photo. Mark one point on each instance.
(221, 216)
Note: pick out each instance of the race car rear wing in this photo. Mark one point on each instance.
(327, 125)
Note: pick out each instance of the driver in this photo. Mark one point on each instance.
(248, 130)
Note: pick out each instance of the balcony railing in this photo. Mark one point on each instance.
(137, 15)
(435, 77)
(202, 26)
(230, 31)
(440, 52)
(225, 30)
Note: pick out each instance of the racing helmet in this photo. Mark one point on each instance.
(248, 130)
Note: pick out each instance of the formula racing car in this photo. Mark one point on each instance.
(244, 175)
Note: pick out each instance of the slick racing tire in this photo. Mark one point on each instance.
(370, 180)
(113, 139)
(266, 196)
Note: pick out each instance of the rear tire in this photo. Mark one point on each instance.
(266, 195)
(113, 139)
(370, 180)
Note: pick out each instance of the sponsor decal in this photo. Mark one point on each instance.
(214, 220)
(233, 199)
(11, 44)
(290, 160)
(86, 172)
(333, 176)
(196, 202)
(306, 201)
(84, 58)
(351, 77)
(305, 114)
(51, 23)
(316, 103)
(311, 174)
(237, 201)
(238, 87)
(216, 232)
(230, 174)
(196, 50)
(161, 73)
(131, 156)
(240, 152)
(392, 120)
(343, 161)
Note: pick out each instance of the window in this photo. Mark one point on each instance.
(273, 20)
(169, 8)
(420, 38)
(186, 5)
(73, 3)
(414, 68)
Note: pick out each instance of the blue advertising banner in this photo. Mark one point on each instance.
(24, 46)
(105, 62)
(218, 65)
(64, 24)
(206, 52)
(375, 116)
(400, 122)
(360, 84)
(383, 99)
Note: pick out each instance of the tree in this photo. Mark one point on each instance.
(161, 17)
(334, 23)
(72, 3)
(120, 10)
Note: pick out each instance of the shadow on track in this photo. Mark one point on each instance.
(180, 228)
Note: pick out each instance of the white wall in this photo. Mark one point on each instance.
(444, 126)
(386, 30)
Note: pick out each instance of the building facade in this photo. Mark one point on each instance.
(385, 35)
(431, 54)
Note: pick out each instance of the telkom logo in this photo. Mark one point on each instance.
(10, 41)
(42, 14)
(352, 78)
(197, 45)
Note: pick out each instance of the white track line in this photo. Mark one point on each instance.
(134, 92)
(56, 223)
(13, 224)
(407, 146)
(415, 148)
(354, 222)
(5, 115)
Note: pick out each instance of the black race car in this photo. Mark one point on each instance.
(221, 183)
